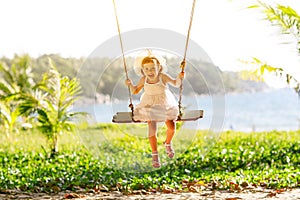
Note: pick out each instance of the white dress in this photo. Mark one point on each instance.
(157, 103)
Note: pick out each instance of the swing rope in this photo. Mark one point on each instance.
(123, 56)
(182, 65)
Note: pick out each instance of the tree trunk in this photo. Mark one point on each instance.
(54, 150)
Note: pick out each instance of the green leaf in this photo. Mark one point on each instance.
(253, 6)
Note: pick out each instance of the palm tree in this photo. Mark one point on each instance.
(51, 102)
(14, 81)
(284, 17)
(288, 21)
(18, 78)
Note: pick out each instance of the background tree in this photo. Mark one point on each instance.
(92, 80)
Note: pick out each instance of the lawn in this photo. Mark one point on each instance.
(118, 157)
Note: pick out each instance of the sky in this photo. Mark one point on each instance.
(225, 29)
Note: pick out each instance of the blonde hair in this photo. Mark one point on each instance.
(147, 57)
(147, 60)
(151, 59)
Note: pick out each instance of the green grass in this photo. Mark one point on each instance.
(119, 157)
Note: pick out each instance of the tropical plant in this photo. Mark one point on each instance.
(18, 78)
(8, 117)
(50, 104)
(288, 21)
(14, 81)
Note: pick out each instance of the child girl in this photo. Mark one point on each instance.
(157, 103)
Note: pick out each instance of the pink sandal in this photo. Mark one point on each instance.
(155, 161)
(170, 151)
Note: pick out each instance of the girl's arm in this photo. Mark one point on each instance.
(135, 89)
(175, 82)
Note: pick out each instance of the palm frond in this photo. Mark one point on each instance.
(284, 17)
(4, 112)
(7, 75)
(258, 71)
(5, 88)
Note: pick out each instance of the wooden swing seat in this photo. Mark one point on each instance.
(188, 115)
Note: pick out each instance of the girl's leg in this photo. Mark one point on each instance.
(152, 134)
(171, 126)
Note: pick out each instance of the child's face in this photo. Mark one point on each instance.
(151, 70)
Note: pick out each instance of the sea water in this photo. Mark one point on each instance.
(259, 111)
